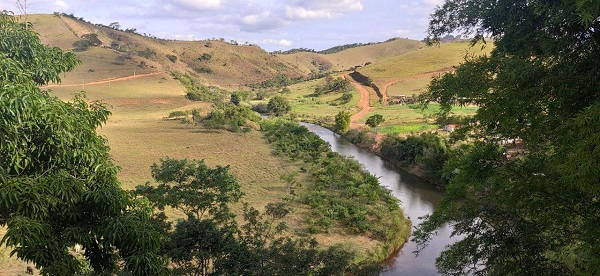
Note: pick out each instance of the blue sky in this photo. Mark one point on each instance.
(273, 25)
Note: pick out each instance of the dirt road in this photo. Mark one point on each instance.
(363, 103)
(102, 81)
(431, 73)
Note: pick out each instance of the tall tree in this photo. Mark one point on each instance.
(278, 106)
(537, 211)
(342, 122)
(58, 185)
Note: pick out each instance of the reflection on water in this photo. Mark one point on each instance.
(417, 199)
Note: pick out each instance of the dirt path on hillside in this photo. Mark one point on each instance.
(363, 103)
(384, 89)
(103, 81)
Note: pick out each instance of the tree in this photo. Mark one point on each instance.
(58, 184)
(375, 120)
(92, 38)
(538, 210)
(115, 26)
(342, 122)
(192, 187)
(278, 106)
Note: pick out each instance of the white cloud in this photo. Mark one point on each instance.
(61, 4)
(303, 13)
(261, 22)
(199, 5)
(321, 9)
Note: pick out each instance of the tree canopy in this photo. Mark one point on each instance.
(278, 106)
(58, 184)
(532, 207)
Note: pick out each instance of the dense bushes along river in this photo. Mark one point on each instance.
(340, 190)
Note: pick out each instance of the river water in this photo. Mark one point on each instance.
(417, 197)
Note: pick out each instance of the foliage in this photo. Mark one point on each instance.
(213, 244)
(92, 38)
(536, 211)
(231, 117)
(81, 45)
(278, 106)
(342, 122)
(147, 53)
(427, 150)
(375, 120)
(58, 184)
(199, 92)
(239, 96)
(260, 108)
(361, 137)
(193, 188)
(87, 40)
(333, 85)
(172, 58)
(340, 189)
(205, 57)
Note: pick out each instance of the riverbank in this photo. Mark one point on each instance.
(372, 141)
(339, 191)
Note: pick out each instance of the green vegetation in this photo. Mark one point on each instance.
(199, 92)
(342, 122)
(427, 151)
(58, 183)
(278, 106)
(333, 85)
(87, 40)
(532, 206)
(340, 190)
(375, 120)
(209, 241)
(231, 117)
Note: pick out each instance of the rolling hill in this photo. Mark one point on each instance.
(351, 57)
(122, 53)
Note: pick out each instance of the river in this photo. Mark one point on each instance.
(417, 197)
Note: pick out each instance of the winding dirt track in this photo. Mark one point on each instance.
(363, 103)
(103, 81)
(431, 73)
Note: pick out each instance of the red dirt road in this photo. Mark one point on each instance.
(363, 103)
(103, 81)
(432, 73)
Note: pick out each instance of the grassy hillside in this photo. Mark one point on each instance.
(121, 53)
(359, 56)
(405, 74)
(412, 71)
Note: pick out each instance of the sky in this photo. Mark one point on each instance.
(273, 25)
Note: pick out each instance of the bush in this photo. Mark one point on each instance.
(203, 70)
(278, 106)
(147, 53)
(260, 108)
(81, 45)
(172, 58)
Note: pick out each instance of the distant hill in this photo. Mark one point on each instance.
(123, 52)
(349, 56)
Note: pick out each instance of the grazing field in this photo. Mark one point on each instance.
(306, 105)
(139, 135)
